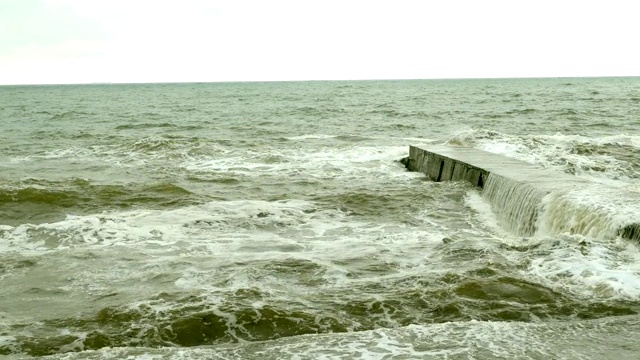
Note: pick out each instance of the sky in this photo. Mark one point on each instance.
(130, 41)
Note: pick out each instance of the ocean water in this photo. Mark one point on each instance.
(275, 221)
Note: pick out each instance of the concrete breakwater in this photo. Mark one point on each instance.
(529, 199)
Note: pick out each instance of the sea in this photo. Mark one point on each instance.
(274, 220)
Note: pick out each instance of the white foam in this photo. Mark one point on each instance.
(7, 340)
(576, 249)
(589, 269)
(484, 212)
(312, 136)
(580, 252)
(416, 141)
(558, 151)
(360, 164)
(151, 226)
(595, 211)
(226, 233)
(219, 247)
(137, 153)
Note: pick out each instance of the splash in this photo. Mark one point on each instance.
(589, 210)
(516, 204)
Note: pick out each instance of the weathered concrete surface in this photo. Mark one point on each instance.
(529, 183)
(447, 163)
(441, 165)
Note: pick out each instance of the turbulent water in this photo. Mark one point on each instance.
(274, 220)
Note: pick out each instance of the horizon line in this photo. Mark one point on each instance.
(321, 80)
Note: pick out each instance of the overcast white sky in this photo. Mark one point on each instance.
(83, 41)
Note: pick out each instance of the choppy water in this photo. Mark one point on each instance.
(273, 220)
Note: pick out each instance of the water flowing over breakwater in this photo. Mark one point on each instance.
(273, 220)
(517, 193)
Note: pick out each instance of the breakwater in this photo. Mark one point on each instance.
(529, 199)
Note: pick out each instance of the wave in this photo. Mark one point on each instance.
(591, 339)
(321, 111)
(593, 211)
(222, 265)
(215, 178)
(355, 162)
(34, 195)
(361, 202)
(153, 144)
(568, 112)
(145, 126)
(69, 115)
(132, 217)
(312, 136)
(607, 158)
(522, 111)
(347, 138)
(39, 201)
(389, 113)
(251, 315)
(403, 126)
(128, 152)
(352, 138)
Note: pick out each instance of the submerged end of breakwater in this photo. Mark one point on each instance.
(516, 191)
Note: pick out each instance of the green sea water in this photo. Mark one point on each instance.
(274, 220)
